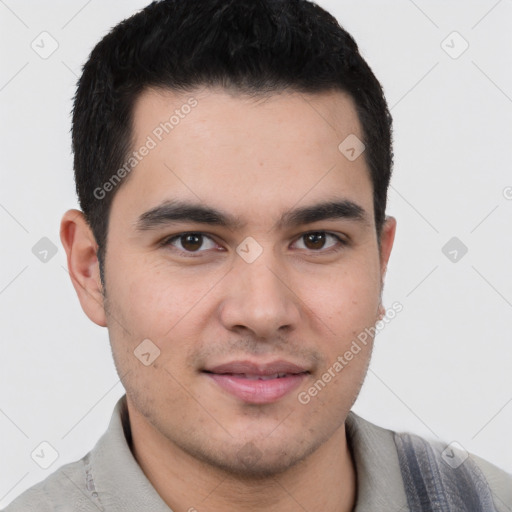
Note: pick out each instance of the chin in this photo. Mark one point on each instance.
(265, 467)
(255, 459)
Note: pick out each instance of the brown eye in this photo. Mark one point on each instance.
(318, 241)
(314, 240)
(191, 241)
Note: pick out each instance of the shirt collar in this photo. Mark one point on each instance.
(122, 485)
(118, 479)
(379, 479)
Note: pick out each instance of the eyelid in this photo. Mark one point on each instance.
(166, 242)
(341, 241)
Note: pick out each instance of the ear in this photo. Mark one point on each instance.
(81, 247)
(386, 244)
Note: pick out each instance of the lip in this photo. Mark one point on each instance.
(255, 383)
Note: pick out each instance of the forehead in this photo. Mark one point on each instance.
(307, 116)
(236, 152)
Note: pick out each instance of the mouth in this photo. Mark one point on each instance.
(257, 383)
(258, 377)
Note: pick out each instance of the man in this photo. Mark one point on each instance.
(232, 160)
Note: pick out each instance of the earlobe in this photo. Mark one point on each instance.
(386, 243)
(382, 311)
(81, 247)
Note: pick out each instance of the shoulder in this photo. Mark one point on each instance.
(453, 471)
(74, 485)
(66, 486)
(419, 470)
(499, 481)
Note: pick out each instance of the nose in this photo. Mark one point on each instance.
(259, 299)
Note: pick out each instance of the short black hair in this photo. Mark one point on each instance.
(254, 47)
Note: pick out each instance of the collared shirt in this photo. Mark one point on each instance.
(109, 479)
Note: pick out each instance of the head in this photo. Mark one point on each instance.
(223, 221)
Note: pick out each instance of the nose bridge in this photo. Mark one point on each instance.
(262, 277)
(258, 295)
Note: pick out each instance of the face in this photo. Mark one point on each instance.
(246, 307)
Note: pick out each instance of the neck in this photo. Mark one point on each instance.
(326, 480)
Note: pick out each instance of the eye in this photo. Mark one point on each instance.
(316, 240)
(195, 243)
(190, 242)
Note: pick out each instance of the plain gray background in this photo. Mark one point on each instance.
(441, 368)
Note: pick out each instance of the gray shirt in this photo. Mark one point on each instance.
(109, 479)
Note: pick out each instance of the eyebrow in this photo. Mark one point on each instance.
(178, 211)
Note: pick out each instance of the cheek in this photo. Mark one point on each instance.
(348, 299)
(150, 295)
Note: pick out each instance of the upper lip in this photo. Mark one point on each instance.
(252, 368)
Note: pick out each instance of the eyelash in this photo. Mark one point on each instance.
(166, 242)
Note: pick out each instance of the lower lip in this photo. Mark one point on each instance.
(258, 391)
